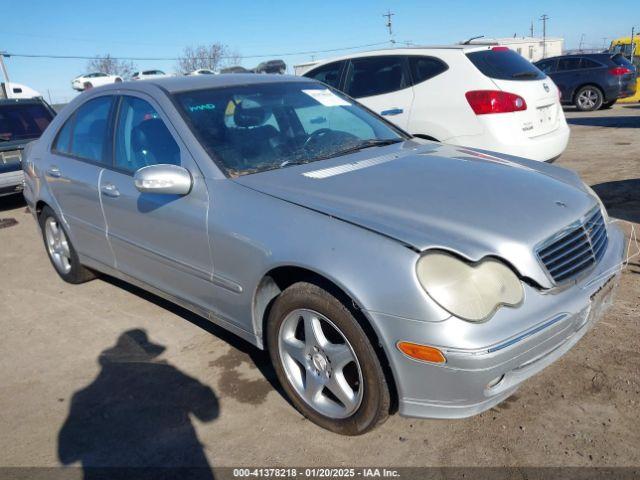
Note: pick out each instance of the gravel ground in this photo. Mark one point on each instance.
(210, 398)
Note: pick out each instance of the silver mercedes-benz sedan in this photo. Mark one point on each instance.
(381, 272)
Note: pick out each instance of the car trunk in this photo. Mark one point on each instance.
(542, 115)
(512, 73)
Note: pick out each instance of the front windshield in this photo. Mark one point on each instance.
(253, 128)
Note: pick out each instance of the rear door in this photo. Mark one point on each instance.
(512, 73)
(72, 172)
(383, 84)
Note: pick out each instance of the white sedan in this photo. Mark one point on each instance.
(202, 71)
(147, 74)
(95, 79)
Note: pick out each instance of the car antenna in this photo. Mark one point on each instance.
(471, 39)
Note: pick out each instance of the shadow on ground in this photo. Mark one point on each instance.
(606, 122)
(245, 391)
(133, 420)
(622, 198)
(11, 202)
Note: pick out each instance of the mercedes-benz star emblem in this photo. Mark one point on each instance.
(546, 87)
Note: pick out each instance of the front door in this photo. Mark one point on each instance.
(382, 84)
(156, 238)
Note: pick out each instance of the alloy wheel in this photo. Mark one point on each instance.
(588, 99)
(57, 245)
(320, 363)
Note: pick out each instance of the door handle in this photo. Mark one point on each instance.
(392, 111)
(54, 172)
(110, 190)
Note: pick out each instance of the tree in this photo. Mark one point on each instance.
(112, 66)
(211, 57)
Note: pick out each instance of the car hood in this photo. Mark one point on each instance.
(436, 196)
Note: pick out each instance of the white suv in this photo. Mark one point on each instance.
(485, 97)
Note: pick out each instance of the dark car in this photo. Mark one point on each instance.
(21, 121)
(591, 81)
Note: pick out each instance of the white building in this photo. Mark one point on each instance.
(531, 48)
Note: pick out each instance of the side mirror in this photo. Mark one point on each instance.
(163, 178)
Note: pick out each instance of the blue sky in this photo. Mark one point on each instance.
(163, 28)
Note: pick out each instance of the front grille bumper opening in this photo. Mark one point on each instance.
(575, 249)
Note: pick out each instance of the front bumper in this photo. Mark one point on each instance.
(483, 367)
(499, 138)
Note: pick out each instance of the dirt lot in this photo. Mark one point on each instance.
(581, 411)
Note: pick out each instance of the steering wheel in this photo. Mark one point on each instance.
(315, 136)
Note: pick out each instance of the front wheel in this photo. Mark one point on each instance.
(588, 99)
(325, 361)
(60, 250)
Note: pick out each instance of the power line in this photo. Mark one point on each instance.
(95, 57)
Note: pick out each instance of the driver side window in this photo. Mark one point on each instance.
(142, 138)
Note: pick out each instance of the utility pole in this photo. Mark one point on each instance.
(531, 29)
(633, 44)
(389, 26)
(604, 42)
(581, 41)
(3, 67)
(544, 19)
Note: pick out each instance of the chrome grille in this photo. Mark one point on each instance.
(576, 249)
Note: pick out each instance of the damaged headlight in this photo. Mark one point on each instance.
(472, 292)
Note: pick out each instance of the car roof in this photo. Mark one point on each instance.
(413, 49)
(573, 55)
(199, 82)
(14, 101)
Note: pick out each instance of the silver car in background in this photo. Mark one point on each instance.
(381, 272)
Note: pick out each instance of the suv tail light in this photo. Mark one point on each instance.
(617, 71)
(495, 101)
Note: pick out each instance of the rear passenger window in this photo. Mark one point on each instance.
(424, 68)
(568, 64)
(142, 138)
(90, 132)
(375, 76)
(588, 63)
(329, 74)
(62, 143)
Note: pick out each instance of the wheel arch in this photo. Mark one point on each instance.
(586, 84)
(279, 278)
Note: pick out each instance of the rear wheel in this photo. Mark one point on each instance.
(60, 250)
(325, 361)
(610, 104)
(588, 98)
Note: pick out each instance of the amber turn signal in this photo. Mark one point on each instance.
(421, 352)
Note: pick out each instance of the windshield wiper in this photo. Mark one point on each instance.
(374, 142)
(289, 163)
(525, 75)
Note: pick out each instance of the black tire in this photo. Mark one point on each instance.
(609, 104)
(78, 273)
(375, 403)
(118, 80)
(588, 98)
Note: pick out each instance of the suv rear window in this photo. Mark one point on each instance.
(23, 121)
(621, 61)
(504, 65)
